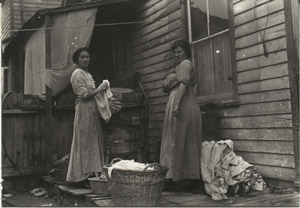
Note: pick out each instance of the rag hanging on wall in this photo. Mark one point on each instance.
(264, 29)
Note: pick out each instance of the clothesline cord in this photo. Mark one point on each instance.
(96, 25)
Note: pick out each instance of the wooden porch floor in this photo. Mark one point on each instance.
(254, 199)
(184, 199)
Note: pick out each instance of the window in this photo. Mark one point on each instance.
(209, 36)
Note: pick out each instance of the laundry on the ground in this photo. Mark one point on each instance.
(223, 171)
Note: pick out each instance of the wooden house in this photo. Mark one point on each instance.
(14, 14)
(246, 53)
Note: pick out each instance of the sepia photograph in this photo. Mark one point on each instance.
(150, 103)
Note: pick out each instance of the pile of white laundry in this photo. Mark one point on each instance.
(128, 165)
(221, 169)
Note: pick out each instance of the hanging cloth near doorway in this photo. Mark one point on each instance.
(34, 65)
(71, 31)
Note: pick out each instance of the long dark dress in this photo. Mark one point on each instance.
(182, 135)
(87, 151)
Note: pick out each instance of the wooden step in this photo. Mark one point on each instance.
(79, 195)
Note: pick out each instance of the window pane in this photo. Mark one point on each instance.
(203, 61)
(213, 65)
(218, 16)
(198, 19)
(222, 66)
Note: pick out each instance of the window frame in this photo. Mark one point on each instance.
(226, 100)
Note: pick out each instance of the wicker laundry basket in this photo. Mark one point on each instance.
(136, 188)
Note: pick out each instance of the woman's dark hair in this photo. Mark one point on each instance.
(77, 53)
(184, 45)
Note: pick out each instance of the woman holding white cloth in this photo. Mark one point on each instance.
(87, 150)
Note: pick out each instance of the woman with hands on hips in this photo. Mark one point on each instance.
(182, 127)
(87, 150)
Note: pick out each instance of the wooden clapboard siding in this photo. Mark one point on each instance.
(156, 25)
(159, 100)
(152, 43)
(262, 61)
(260, 11)
(276, 172)
(257, 50)
(155, 93)
(151, 58)
(261, 127)
(24, 138)
(62, 131)
(24, 142)
(264, 85)
(264, 73)
(24, 135)
(286, 161)
(157, 33)
(150, 61)
(23, 10)
(157, 67)
(157, 117)
(256, 122)
(154, 84)
(159, 108)
(6, 23)
(271, 33)
(260, 24)
(153, 10)
(274, 147)
(240, 7)
(152, 52)
(271, 108)
(154, 76)
(265, 96)
(278, 134)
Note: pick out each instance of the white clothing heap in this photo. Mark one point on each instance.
(221, 167)
(128, 165)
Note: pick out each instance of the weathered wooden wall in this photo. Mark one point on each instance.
(151, 58)
(261, 127)
(24, 142)
(17, 12)
(6, 19)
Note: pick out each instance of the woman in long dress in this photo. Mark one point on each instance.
(87, 150)
(182, 127)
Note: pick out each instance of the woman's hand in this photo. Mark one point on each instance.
(176, 111)
(102, 87)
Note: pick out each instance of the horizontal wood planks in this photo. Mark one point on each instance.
(23, 10)
(23, 136)
(23, 139)
(261, 127)
(5, 20)
(152, 41)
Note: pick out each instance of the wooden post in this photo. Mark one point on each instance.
(232, 50)
(22, 67)
(185, 20)
(48, 119)
(293, 67)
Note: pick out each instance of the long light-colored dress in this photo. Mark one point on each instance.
(182, 135)
(87, 150)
